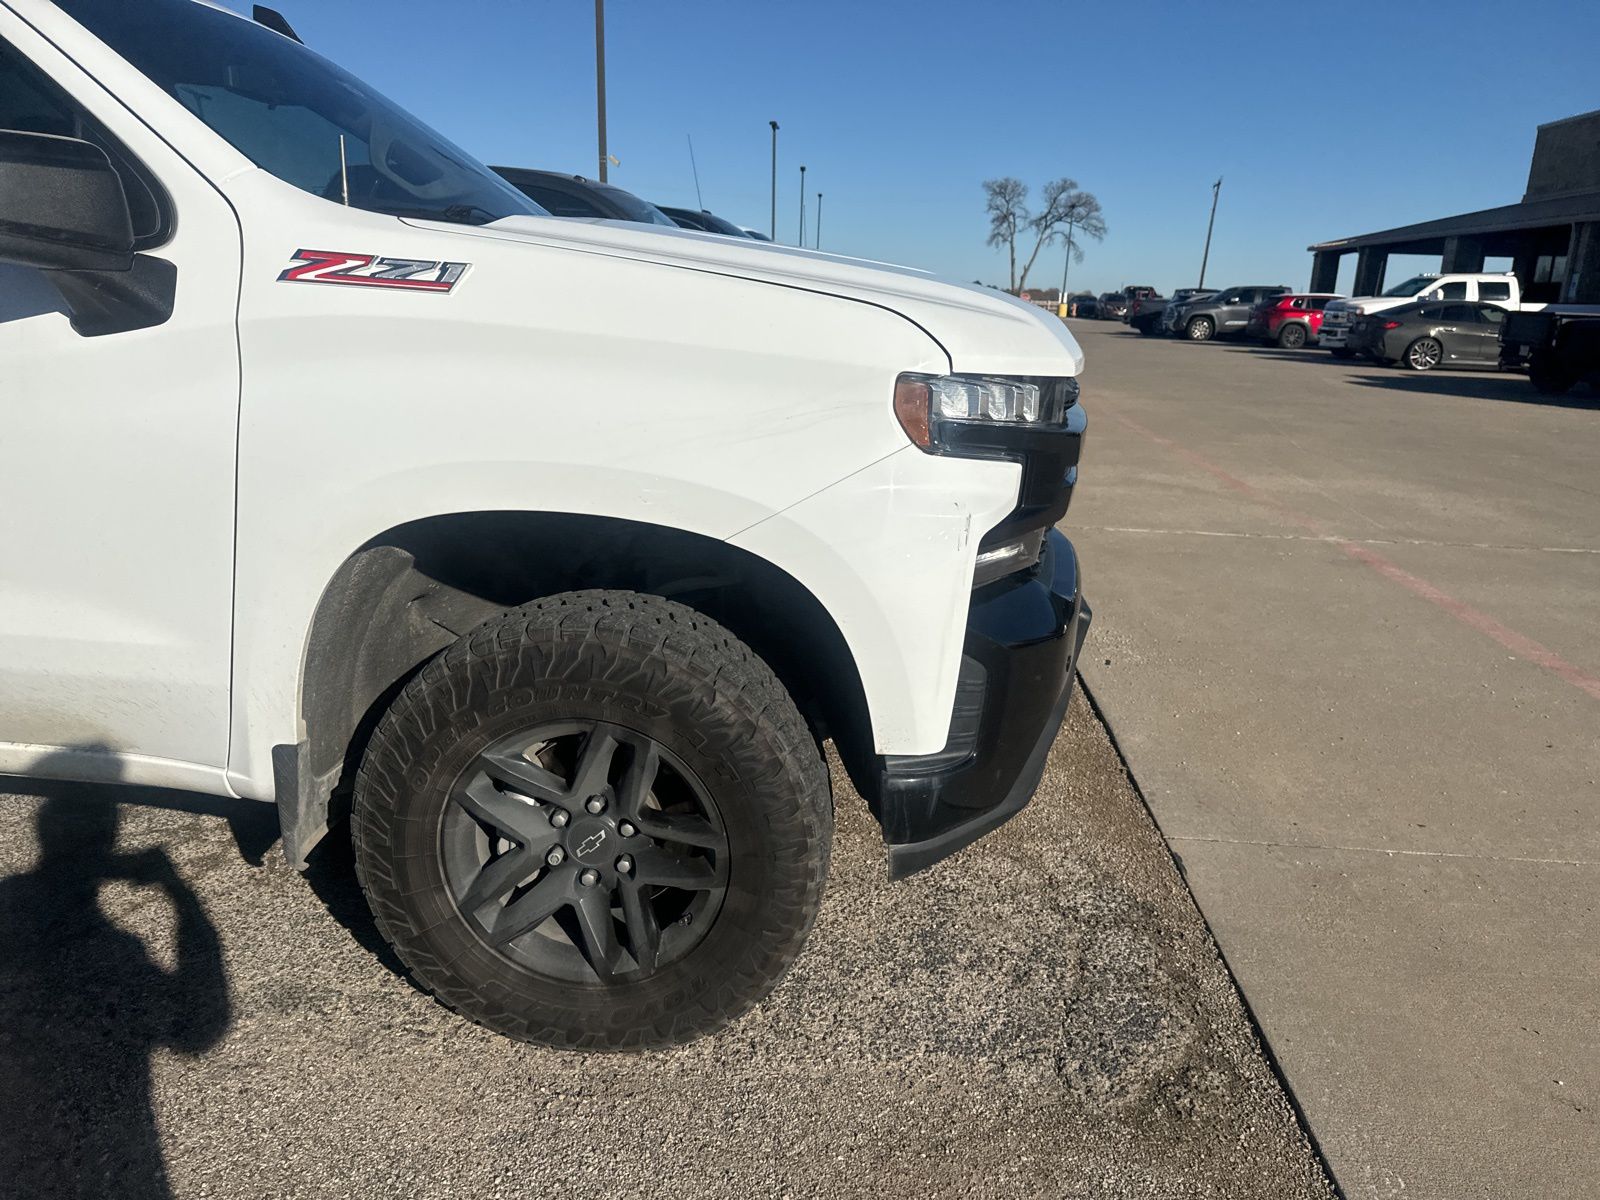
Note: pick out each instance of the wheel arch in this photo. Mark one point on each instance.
(412, 590)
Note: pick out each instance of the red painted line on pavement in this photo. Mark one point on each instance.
(1472, 618)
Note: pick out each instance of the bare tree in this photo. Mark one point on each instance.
(1008, 213)
(1068, 211)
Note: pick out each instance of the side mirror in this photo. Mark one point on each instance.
(62, 207)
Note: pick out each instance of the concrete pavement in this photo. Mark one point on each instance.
(1346, 637)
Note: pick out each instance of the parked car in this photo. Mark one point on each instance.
(393, 523)
(574, 196)
(1133, 295)
(1291, 321)
(754, 235)
(1148, 315)
(1432, 334)
(1559, 347)
(1111, 306)
(1494, 287)
(1084, 304)
(1225, 311)
(1172, 314)
(704, 220)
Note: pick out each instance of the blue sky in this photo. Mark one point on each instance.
(900, 110)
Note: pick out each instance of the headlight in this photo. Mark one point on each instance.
(932, 407)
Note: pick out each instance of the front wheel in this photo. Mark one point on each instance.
(1424, 354)
(597, 822)
(1201, 329)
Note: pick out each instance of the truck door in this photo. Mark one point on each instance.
(116, 470)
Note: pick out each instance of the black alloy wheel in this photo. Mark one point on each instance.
(1292, 336)
(559, 838)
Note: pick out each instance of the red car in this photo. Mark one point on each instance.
(1290, 320)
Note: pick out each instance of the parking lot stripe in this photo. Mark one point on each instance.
(1472, 618)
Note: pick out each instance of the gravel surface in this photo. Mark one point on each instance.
(1045, 1014)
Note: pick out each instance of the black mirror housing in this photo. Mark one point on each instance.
(62, 207)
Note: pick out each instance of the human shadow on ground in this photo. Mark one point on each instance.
(84, 1005)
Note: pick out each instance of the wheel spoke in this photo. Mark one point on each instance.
(514, 771)
(519, 818)
(644, 933)
(543, 900)
(594, 764)
(597, 931)
(663, 868)
(685, 831)
(639, 778)
(498, 878)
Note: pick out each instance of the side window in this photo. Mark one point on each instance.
(1453, 291)
(1492, 315)
(561, 204)
(1461, 314)
(1317, 303)
(1434, 312)
(1494, 289)
(32, 103)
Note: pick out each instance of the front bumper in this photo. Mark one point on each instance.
(1023, 637)
(1333, 336)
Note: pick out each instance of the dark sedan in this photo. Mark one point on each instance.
(704, 220)
(574, 196)
(1431, 334)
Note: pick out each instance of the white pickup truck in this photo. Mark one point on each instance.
(1490, 288)
(337, 474)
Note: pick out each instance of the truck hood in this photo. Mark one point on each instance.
(984, 331)
(1367, 304)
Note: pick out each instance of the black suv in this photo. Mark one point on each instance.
(1225, 311)
(574, 196)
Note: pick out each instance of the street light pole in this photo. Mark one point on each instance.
(816, 241)
(801, 243)
(773, 232)
(1205, 258)
(600, 77)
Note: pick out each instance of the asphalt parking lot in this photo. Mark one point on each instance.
(1044, 1015)
(1346, 637)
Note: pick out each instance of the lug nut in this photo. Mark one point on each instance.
(589, 878)
(596, 805)
(626, 829)
(625, 864)
(559, 818)
(556, 856)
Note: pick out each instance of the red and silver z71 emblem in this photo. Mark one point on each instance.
(367, 270)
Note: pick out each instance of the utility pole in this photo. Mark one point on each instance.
(600, 77)
(1067, 266)
(773, 232)
(817, 240)
(801, 243)
(1206, 257)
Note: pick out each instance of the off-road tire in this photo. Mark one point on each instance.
(660, 670)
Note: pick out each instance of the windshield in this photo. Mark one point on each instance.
(293, 113)
(1411, 286)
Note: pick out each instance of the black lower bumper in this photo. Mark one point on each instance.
(1023, 637)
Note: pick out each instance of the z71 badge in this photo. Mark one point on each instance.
(367, 270)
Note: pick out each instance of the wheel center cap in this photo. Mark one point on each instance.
(592, 841)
